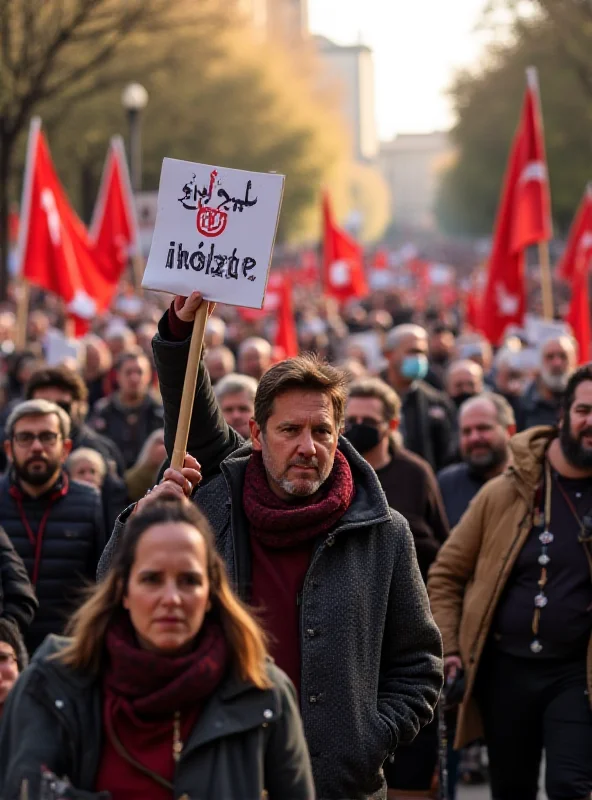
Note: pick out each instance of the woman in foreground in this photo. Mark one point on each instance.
(163, 689)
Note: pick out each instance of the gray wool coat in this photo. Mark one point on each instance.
(371, 654)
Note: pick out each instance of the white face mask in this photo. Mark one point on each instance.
(554, 383)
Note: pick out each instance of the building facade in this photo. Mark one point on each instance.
(412, 165)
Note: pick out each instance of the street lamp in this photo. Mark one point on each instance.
(134, 98)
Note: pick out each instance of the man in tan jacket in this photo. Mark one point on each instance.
(511, 591)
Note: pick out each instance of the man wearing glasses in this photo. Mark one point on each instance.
(55, 525)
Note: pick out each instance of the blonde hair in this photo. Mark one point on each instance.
(88, 626)
(87, 454)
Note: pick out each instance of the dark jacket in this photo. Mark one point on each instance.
(72, 543)
(127, 427)
(535, 410)
(17, 598)
(410, 487)
(458, 486)
(428, 423)
(245, 741)
(370, 653)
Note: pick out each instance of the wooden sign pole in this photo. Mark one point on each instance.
(546, 281)
(189, 384)
(22, 312)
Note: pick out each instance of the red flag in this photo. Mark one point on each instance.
(579, 242)
(343, 265)
(575, 267)
(286, 337)
(114, 231)
(523, 219)
(55, 252)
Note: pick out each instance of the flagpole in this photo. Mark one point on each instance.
(22, 312)
(189, 384)
(137, 260)
(546, 280)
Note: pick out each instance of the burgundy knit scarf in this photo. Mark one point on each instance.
(152, 685)
(278, 523)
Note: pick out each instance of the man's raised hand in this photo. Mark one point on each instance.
(175, 483)
(186, 307)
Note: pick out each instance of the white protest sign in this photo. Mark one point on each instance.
(59, 348)
(214, 233)
(539, 330)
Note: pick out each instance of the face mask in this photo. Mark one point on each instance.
(363, 437)
(460, 398)
(414, 368)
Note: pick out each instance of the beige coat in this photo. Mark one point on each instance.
(473, 566)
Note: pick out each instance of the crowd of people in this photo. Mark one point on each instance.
(371, 578)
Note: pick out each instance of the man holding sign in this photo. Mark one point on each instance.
(309, 539)
(299, 517)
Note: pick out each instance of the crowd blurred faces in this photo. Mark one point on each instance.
(215, 334)
(486, 424)
(509, 376)
(441, 344)
(557, 362)
(134, 374)
(236, 398)
(13, 658)
(254, 357)
(38, 325)
(406, 349)
(87, 466)
(464, 379)
(119, 340)
(220, 362)
(372, 415)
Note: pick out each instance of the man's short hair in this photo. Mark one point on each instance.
(223, 352)
(62, 378)
(38, 408)
(254, 342)
(131, 355)
(233, 383)
(503, 410)
(379, 390)
(579, 376)
(400, 332)
(11, 635)
(306, 372)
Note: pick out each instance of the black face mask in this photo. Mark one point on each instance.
(363, 437)
(460, 398)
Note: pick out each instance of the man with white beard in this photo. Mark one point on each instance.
(541, 400)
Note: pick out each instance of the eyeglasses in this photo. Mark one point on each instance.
(6, 658)
(26, 438)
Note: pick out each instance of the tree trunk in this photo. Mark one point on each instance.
(6, 150)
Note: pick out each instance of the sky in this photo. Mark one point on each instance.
(417, 44)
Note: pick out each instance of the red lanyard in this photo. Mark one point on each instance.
(37, 540)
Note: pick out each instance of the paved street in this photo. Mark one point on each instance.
(481, 793)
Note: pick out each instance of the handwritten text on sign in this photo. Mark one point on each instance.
(214, 232)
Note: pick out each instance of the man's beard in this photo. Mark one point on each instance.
(297, 488)
(31, 471)
(496, 456)
(572, 447)
(555, 383)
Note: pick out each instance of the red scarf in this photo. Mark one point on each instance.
(142, 692)
(278, 523)
(282, 542)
